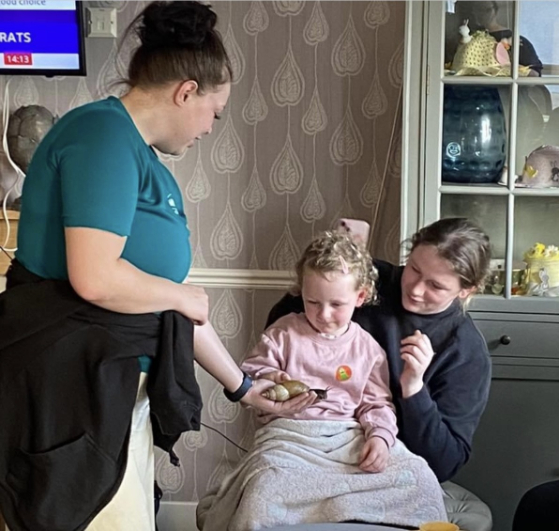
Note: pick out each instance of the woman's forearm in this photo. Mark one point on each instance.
(212, 355)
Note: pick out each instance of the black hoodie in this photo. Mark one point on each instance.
(69, 374)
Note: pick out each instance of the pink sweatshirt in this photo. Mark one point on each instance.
(352, 366)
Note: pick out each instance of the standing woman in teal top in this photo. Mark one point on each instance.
(100, 210)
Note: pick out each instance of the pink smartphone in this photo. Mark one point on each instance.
(357, 228)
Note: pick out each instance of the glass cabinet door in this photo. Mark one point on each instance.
(492, 134)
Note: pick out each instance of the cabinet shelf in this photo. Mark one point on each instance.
(536, 192)
(494, 189)
(489, 80)
(473, 189)
(545, 80)
(476, 80)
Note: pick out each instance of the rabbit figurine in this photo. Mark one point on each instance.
(464, 30)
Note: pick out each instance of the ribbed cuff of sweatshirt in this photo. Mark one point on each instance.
(383, 433)
(418, 404)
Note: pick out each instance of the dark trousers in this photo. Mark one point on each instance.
(538, 509)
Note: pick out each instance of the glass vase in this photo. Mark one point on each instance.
(474, 135)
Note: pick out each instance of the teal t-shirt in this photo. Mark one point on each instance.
(93, 169)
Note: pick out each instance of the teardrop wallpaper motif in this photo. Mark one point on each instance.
(312, 132)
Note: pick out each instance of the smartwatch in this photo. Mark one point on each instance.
(235, 396)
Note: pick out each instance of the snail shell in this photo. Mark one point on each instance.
(290, 389)
(286, 390)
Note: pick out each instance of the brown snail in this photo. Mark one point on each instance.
(290, 389)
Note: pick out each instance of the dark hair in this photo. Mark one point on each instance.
(178, 41)
(333, 251)
(463, 244)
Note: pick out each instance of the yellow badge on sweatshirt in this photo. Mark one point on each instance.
(343, 373)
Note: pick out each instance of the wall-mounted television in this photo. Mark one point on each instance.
(42, 37)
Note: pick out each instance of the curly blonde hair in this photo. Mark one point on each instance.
(333, 251)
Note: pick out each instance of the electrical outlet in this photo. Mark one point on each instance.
(101, 22)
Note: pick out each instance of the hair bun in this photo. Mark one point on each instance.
(182, 24)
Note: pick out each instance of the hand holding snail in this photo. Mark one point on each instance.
(255, 398)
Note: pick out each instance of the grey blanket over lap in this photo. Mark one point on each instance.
(306, 471)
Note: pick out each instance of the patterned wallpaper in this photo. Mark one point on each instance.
(312, 133)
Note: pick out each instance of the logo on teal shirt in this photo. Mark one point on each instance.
(172, 204)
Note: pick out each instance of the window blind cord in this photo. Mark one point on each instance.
(19, 173)
(224, 436)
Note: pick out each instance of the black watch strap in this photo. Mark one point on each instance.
(235, 396)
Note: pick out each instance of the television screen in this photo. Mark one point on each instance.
(41, 37)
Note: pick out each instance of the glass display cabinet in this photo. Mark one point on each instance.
(492, 131)
(481, 140)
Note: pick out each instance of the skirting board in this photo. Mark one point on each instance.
(177, 516)
(172, 516)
